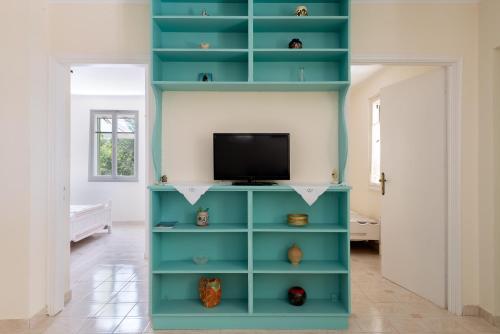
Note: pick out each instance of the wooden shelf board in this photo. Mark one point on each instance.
(233, 55)
(312, 306)
(318, 228)
(212, 228)
(299, 23)
(300, 54)
(182, 267)
(261, 86)
(305, 267)
(202, 23)
(194, 306)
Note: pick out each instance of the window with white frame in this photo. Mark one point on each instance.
(113, 145)
(375, 142)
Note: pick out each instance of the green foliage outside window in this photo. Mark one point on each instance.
(125, 145)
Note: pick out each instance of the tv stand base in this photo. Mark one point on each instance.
(252, 183)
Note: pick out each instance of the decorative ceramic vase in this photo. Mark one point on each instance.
(301, 11)
(295, 255)
(202, 218)
(295, 44)
(210, 290)
(297, 296)
(204, 45)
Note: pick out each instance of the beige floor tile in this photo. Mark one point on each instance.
(65, 326)
(129, 297)
(113, 286)
(100, 325)
(409, 326)
(115, 310)
(476, 325)
(132, 325)
(139, 310)
(80, 310)
(444, 325)
(375, 325)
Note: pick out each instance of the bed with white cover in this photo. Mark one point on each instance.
(86, 220)
(364, 228)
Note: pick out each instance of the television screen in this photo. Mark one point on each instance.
(251, 156)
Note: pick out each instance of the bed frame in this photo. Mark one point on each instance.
(89, 220)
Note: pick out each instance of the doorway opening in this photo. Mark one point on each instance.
(107, 182)
(398, 145)
(101, 169)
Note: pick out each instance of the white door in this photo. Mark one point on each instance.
(413, 158)
(58, 237)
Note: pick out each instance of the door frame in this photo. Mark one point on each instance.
(454, 69)
(56, 235)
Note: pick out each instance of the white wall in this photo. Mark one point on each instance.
(191, 118)
(489, 157)
(128, 197)
(23, 115)
(366, 199)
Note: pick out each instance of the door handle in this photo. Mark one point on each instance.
(382, 181)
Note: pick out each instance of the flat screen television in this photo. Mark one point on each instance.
(251, 157)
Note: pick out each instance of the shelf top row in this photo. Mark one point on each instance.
(338, 2)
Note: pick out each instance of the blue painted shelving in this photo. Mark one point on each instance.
(246, 243)
(247, 239)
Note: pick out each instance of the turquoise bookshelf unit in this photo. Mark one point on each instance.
(246, 243)
(249, 45)
(247, 239)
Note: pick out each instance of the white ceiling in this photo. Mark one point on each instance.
(108, 80)
(360, 73)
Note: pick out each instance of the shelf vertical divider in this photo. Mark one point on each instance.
(250, 40)
(348, 250)
(250, 250)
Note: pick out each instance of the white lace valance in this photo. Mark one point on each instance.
(192, 192)
(310, 193)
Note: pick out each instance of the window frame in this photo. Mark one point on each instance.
(114, 177)
(373, 186)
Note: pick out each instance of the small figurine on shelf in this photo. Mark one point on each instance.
(295, 44)
(163, 179)
(297, 296)
(202, 217)
(210, 291)
(301, 11)
(204, 45)
(204, 12)
(205, 77)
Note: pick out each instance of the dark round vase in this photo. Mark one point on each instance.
(297, 296)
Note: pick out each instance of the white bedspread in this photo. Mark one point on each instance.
(75, 210)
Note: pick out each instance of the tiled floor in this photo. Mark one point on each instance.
(109, 283)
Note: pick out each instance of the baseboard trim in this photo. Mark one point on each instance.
(22, 325)
(67, 296)
(470, 311)
(478, 311)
